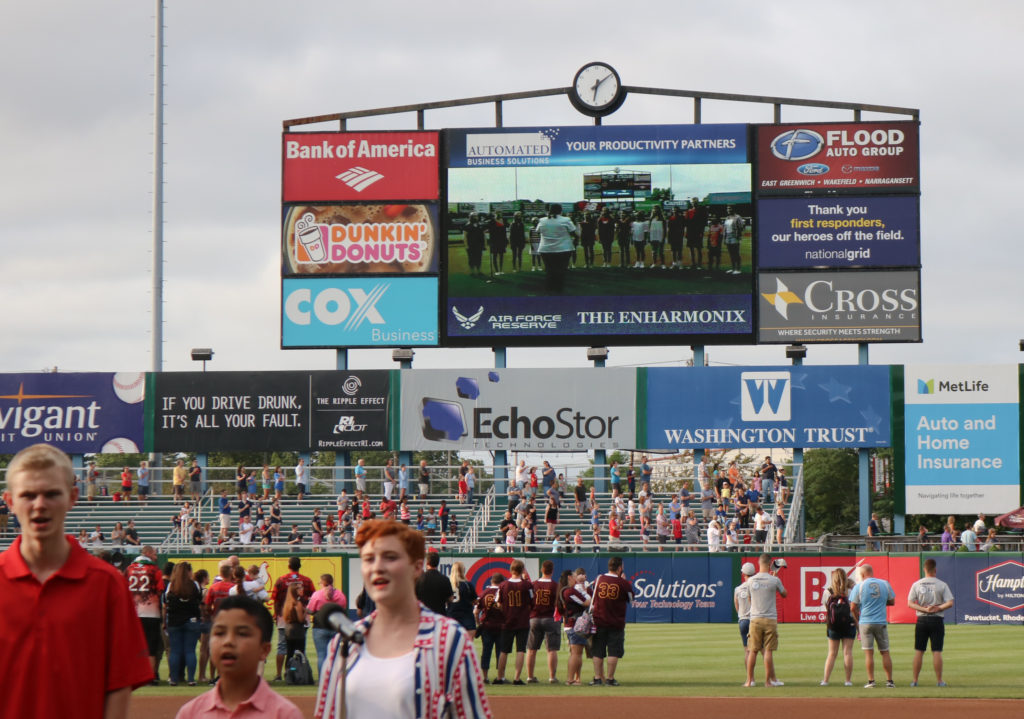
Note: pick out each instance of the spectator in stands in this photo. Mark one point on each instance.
(278, 482)
(580, 496)
(990, 542)
(707, 501)
(96, 537)
(131, 536)
(117, 535)
(444, 514)
(178, 479)
(126, 483)
(947, 538)
(968, 539)
(143, 477)
(780, 522)
(295, 536)
(463, 489)
(225, 515)
(403, 482)
(612, 594)
(692, 530)
(551, 518)
(195, 480)
(424, 479)
(714, 536)
(266, 481)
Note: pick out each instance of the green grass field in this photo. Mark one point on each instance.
(707, 660)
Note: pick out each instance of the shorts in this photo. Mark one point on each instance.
(152, 631)
(744, 630)
(575, 640)
(225, 521)
(541, 628)
(764, 634)
(871, 632)
(518, 636)
(195, 487)
(839, 633)
(143, 490)
(282, 643)
(126, 490)
(609, 642)
(662, 539)
(929, 629)
(279, 486)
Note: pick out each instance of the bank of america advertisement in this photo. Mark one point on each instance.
(854, 306)
(557, 410)
(635, 197)
(359, 312)
(803, 406)
(962, 431)
(79, 412)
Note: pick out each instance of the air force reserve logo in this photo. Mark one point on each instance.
(467, 322)
(765, 396)
(797, 145)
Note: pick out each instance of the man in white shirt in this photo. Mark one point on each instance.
(714, 536)
(764, 635)
(979, 525)
(969, 539)
(760, 526)
(302, 477)
(245, 530)
(930, 598)
(521, 474)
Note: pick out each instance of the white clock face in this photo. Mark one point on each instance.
(597, 85)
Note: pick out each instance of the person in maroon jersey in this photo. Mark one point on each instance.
(611, 595)
(573, 600)
(279, 594)
(146, 584)
(515, 599)
(543, 624)
(489, 620)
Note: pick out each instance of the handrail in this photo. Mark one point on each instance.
(793, 526)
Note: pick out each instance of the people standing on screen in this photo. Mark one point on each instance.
(715, 232)
(696, 221)
(474, 234)
(624, 236)
(639, 239)
(676, 236)
(497, 243)
(606, 234)
(517, 240)
(733, 234)
(556, 246)
(656, 232)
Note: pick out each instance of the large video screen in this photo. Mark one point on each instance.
(597, 234)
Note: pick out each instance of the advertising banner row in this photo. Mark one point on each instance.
(465, 206)
(698, 588)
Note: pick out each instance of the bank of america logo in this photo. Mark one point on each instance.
(765, 396)
(926, 386)
(359, 178)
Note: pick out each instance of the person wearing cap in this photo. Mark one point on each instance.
(741, 600)
(764, 635)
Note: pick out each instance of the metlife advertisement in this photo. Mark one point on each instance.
(962, 432)
(556, 410)
(801, 406)
(503, 284)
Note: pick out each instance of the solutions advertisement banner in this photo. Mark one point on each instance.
(987, 588)
(360, 166)
(557, 410)
(860, 156)
(246, 411)
(855, 306)
(838, 232)
(962, 431)
(359, 312)
(79, 412)
(627, 288)
(804, 406)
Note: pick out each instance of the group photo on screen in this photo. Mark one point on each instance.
(584, 231)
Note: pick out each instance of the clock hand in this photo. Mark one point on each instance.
(599, 83)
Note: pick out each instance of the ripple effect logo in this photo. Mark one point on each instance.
(351, 386)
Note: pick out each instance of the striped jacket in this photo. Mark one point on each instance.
(448, 681)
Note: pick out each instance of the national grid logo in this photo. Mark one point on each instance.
(766, 396)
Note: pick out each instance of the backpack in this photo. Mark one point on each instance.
(298, 671)
(837, 612)
(584, 623)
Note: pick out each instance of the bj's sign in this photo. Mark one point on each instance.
(339, 166)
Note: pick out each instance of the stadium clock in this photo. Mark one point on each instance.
(597, 90)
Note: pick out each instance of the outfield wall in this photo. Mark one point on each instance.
(686, 587)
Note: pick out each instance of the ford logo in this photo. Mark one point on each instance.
(797, 145)
(813, 168)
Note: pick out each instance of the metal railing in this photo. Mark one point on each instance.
(794, 525)
(481, 519)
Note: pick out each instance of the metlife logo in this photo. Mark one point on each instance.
(359, 312)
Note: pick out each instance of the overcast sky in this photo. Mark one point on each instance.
(76, 146)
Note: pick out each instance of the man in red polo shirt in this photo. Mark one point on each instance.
(70, 643)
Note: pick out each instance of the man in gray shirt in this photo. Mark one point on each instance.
(930, 598)
(764, 635)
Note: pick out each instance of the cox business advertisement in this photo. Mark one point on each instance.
(359, 312)
(855, 306)
(246, 411)
(838, 232)
(75, 411)
(987, 588)
(803, 406)
(862, 156)
(630, 285)
(962, 432)
(557, 410)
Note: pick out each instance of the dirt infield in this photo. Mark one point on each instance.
(721, 708)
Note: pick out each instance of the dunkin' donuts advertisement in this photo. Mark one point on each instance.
(356, 239)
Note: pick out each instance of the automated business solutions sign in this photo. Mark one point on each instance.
(856, 306)
(246, 411)
(862, 156)
(803, 406)
(550, 164)
(359, 312)
(558, 410)
(838, 232)
(359, 166)
(75, 411)
(962, 431)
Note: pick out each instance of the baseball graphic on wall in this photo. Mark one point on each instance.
(130, 386)
(120, 445)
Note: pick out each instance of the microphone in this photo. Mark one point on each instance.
(340, 623)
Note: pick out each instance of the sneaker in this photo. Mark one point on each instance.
(155, 683)
(596, 682)
(553, 680)
(191, 684)
(532, 680)
(822, 684)
(847, 684)
(942, 684)
(518, 683)
(498, 681)
(913, 684)
(890, 684)
(870, 684)
(611, 682)
(776, 683)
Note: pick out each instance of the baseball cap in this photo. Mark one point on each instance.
(748, 569)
